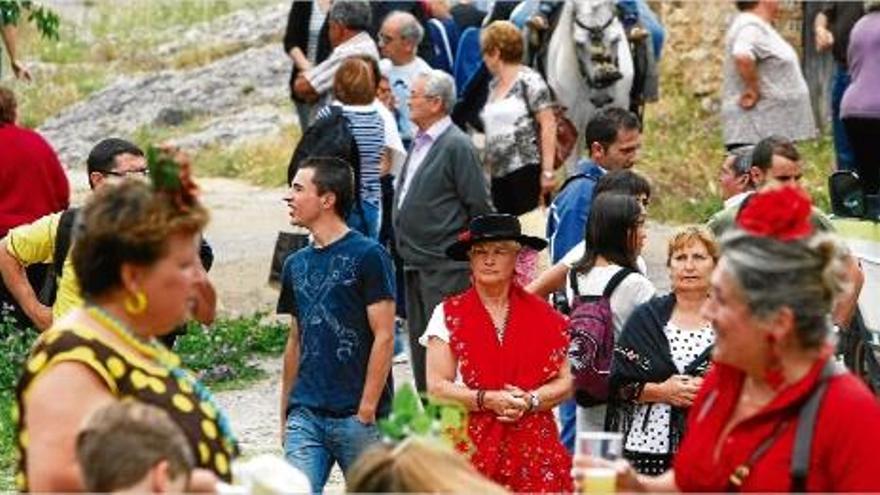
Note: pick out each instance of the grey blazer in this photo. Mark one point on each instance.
(448, 190)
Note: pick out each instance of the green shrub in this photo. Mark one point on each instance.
(14, 347)
(223, 354)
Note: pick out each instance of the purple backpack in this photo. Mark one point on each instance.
(591, 329)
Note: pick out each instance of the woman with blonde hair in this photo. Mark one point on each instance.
(662, 354)
(416, 466)
(519, 122)
(136, 257)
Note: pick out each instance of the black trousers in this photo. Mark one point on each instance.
(864, 137)
(425, 289)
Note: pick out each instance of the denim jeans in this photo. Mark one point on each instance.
(568, 419)
(842, 148)
(367, 223)
(313, 442)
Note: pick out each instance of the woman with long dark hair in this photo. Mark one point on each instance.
(615, 236)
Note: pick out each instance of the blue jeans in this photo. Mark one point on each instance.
(368, 222)
(313, 442)
(568, 419)
(842, 149)
(652, 24)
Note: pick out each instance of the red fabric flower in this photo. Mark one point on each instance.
(783, 214)
(464, 236)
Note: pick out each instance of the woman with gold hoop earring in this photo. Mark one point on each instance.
(136, 257)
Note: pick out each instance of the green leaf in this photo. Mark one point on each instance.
(164, 172)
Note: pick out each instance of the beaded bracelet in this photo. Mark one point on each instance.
(481, 394)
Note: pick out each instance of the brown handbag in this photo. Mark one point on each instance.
(566, 136)
(566, 132)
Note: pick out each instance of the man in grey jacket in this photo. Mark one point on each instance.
(441, 187)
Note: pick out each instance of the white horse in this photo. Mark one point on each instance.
(576, 67)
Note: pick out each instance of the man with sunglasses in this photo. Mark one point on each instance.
(48, 240)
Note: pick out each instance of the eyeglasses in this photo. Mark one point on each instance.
(424, 97)
(384, 39)
(140, 172)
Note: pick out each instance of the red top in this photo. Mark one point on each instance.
(844, 450)
(32, 182)
(526, 455)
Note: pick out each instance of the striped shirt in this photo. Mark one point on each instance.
(368, 129)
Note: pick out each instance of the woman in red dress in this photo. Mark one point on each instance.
(501, 352)
(775, 413)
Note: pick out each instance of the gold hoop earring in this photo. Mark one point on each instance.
(136, 303)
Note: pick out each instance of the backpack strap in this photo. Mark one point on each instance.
(806, 427)
(616, 280)
(574, 178)
(63, 236)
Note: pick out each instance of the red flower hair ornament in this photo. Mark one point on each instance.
(783, 214)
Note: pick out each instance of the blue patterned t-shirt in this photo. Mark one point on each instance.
(327, 291)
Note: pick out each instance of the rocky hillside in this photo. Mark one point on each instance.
(233, 98)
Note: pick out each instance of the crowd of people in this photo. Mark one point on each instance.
(417, 251)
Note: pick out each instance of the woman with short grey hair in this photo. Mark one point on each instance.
(776, 412)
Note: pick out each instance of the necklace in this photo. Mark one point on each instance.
(152, 348)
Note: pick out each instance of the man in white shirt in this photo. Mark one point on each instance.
(399, 40)
(348, 21)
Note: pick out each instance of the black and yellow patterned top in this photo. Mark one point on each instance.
(160, 382)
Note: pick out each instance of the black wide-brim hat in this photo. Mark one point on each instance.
(492, 227)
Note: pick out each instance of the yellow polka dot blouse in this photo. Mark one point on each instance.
(129, 375)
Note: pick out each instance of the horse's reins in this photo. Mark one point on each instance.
(593, 30)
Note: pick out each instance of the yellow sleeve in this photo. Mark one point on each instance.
(35, 242)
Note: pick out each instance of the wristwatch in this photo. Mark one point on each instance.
(534, 401)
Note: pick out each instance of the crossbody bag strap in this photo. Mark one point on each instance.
(806, 428)
(806, 423)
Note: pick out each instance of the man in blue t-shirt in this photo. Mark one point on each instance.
(340, 291)
(613, 138)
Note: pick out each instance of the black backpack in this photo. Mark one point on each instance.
(329, 136)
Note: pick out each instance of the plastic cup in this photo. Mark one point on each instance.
(603, 445)
(599, 480)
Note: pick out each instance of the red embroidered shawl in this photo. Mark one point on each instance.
(525, 456)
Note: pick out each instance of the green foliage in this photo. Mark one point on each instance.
(46, 20)
(15, 344)
(164, 172)
(223, 353)
(446, 422)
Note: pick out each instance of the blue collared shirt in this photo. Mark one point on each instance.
(570, 210)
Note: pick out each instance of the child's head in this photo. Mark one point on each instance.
(132, 446)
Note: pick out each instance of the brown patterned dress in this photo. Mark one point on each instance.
(128, 375)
